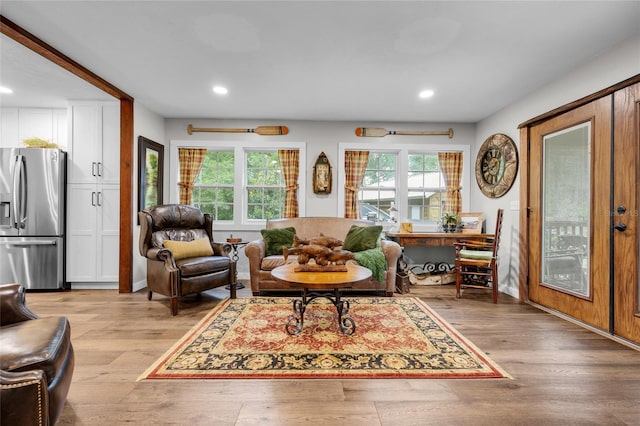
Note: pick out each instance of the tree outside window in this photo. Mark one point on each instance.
(265, 186)
(214, 188)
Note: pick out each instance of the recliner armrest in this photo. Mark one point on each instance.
(12, 305)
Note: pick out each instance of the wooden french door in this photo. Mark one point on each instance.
(626, 224)
(583, 222)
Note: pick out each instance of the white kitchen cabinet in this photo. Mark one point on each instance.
(93, 195)
(18, 124)
(93, 218)
(94, 149)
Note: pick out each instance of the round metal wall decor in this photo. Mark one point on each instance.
(496, 165)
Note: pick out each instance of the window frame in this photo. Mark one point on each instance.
(402, 151)
(240, 149)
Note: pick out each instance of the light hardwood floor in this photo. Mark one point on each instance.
(562, 373)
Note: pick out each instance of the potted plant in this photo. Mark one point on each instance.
(450, 222)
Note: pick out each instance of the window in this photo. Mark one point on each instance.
(240, 184)
(407, 174)
(214, 188)
(378, 188)
(265, 186)
(426, 187)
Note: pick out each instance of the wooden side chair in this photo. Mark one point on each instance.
(477, 262)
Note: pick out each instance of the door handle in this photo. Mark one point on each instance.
(93, 198)
(99, 169)
(93, 168)
(620, 227)
(100, 199)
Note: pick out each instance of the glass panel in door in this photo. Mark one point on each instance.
(566, 209)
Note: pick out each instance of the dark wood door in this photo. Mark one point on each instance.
(626, 214)
(569, 213)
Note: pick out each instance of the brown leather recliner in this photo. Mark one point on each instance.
(36, 362)
(189, 275)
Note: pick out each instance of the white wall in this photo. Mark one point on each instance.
(151, 126)
(606, 70)
(319, 137)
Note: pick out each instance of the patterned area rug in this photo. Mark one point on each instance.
(398, 337)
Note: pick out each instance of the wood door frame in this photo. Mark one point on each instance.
(525, 170)
(17, 33)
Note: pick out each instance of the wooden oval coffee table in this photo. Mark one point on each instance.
(321, 284)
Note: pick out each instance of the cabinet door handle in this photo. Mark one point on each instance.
(93, 198)
(93, 169)
(99, 169)
(100, 199)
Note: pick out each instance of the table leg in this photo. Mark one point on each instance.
(235, 257)
(296, 321)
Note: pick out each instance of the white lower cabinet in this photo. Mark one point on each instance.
(93, 228)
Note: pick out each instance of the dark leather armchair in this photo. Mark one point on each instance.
(36, 362)
(185, 275)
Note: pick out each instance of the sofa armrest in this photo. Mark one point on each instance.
(255, 251)
(12, 305)
(24, 398)
(392, 252)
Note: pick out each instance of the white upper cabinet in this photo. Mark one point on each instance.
(18, 124)
(94, 151)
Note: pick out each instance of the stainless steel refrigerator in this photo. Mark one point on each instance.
(32, 217)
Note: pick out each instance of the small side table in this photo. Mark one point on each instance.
(234, 255)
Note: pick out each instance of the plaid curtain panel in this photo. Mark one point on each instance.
(290, 166)
(451, 166)
(355, 164)
(191, 160)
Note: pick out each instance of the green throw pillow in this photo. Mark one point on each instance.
(360, 238)
(275, 239)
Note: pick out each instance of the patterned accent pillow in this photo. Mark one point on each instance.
(185, 249)
(277, 238)
(360, 238)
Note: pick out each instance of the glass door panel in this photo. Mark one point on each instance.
(566, 209)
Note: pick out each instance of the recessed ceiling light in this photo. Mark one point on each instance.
(5, 90)
(220, 90)
(426, 94)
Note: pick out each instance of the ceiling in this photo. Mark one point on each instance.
(310, 60)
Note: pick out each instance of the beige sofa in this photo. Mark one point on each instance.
(260, 265)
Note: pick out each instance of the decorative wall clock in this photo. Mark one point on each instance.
(496, 165)
(322, 175)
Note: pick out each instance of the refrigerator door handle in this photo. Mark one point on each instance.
(29, 243)
(19, 194)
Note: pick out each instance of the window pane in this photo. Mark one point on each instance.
(566, 178)
(426, 187)
(217, 176)
(378, 189)
(265, 186)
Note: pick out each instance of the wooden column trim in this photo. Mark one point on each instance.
(19, 34)
(523, 252)
(125, 279)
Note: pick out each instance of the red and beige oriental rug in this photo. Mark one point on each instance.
(397, 337)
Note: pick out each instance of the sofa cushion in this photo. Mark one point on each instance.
(277, 238)
(360, 238)
(40, 344)
(186, 249)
